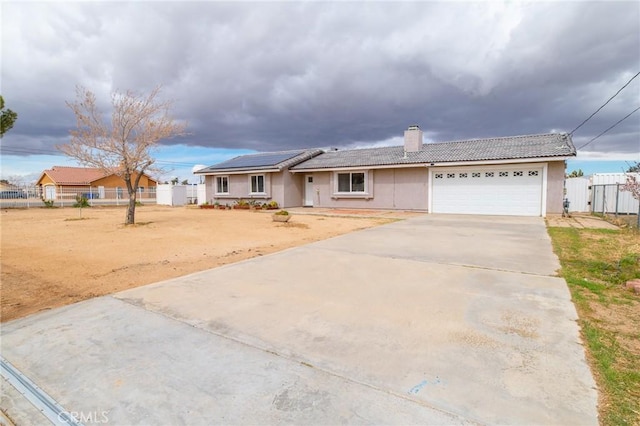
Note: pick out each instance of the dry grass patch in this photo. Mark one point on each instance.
(596, 264)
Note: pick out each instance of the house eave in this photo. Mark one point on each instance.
(435, 164)
(507, 161)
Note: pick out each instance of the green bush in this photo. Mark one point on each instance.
(81, 202)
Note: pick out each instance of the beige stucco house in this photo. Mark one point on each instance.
(519, 175)
(262, 177)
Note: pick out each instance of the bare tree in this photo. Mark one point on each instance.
(125, 144)
(19, 181)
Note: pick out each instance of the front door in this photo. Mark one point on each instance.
(49, 192)
(308, 190)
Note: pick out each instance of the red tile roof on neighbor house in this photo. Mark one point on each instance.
(63, 175)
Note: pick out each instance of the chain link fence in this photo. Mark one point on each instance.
(609, 199)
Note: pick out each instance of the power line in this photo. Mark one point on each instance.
(603, 105)
(17, 150)
(619, 121)
(40, 151)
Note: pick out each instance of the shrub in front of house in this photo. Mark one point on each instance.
(81, 202)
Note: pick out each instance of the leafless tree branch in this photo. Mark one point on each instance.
(124, 145)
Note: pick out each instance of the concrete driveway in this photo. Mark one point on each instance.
(432, 320)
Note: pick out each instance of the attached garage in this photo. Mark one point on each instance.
(515, 190)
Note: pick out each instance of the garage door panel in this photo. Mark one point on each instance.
(487, 191)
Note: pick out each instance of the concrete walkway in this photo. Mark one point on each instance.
(431, 320)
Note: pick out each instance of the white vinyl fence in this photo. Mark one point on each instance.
(171, 195)
(67, 197)
(578, 194)
(601, 193)
(177, 195)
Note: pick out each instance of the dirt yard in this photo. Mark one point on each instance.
(54, 257)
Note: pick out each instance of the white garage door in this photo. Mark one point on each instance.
(487, 190)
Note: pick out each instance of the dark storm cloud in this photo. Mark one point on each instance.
(272, 76)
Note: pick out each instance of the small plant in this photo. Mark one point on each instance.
(208, 205)
(81, 202)
(217, 204)
(281, 216)
(48, 203)
(241, 204)
(272, 205)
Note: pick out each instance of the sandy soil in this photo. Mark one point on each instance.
(54, 257)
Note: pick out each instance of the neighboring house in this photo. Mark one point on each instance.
(6, 186)
(69, 182)
(11, 191)
(519, 175)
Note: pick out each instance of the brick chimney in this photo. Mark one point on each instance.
(413, 139)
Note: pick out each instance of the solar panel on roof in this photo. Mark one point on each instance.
(257, 160)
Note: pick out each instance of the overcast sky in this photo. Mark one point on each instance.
(281, 75)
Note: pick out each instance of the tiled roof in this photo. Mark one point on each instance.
(62, 175)
(268, 160)
(503, 148)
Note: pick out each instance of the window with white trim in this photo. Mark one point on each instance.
(222, 184)
(352, 182)
(256, 184)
